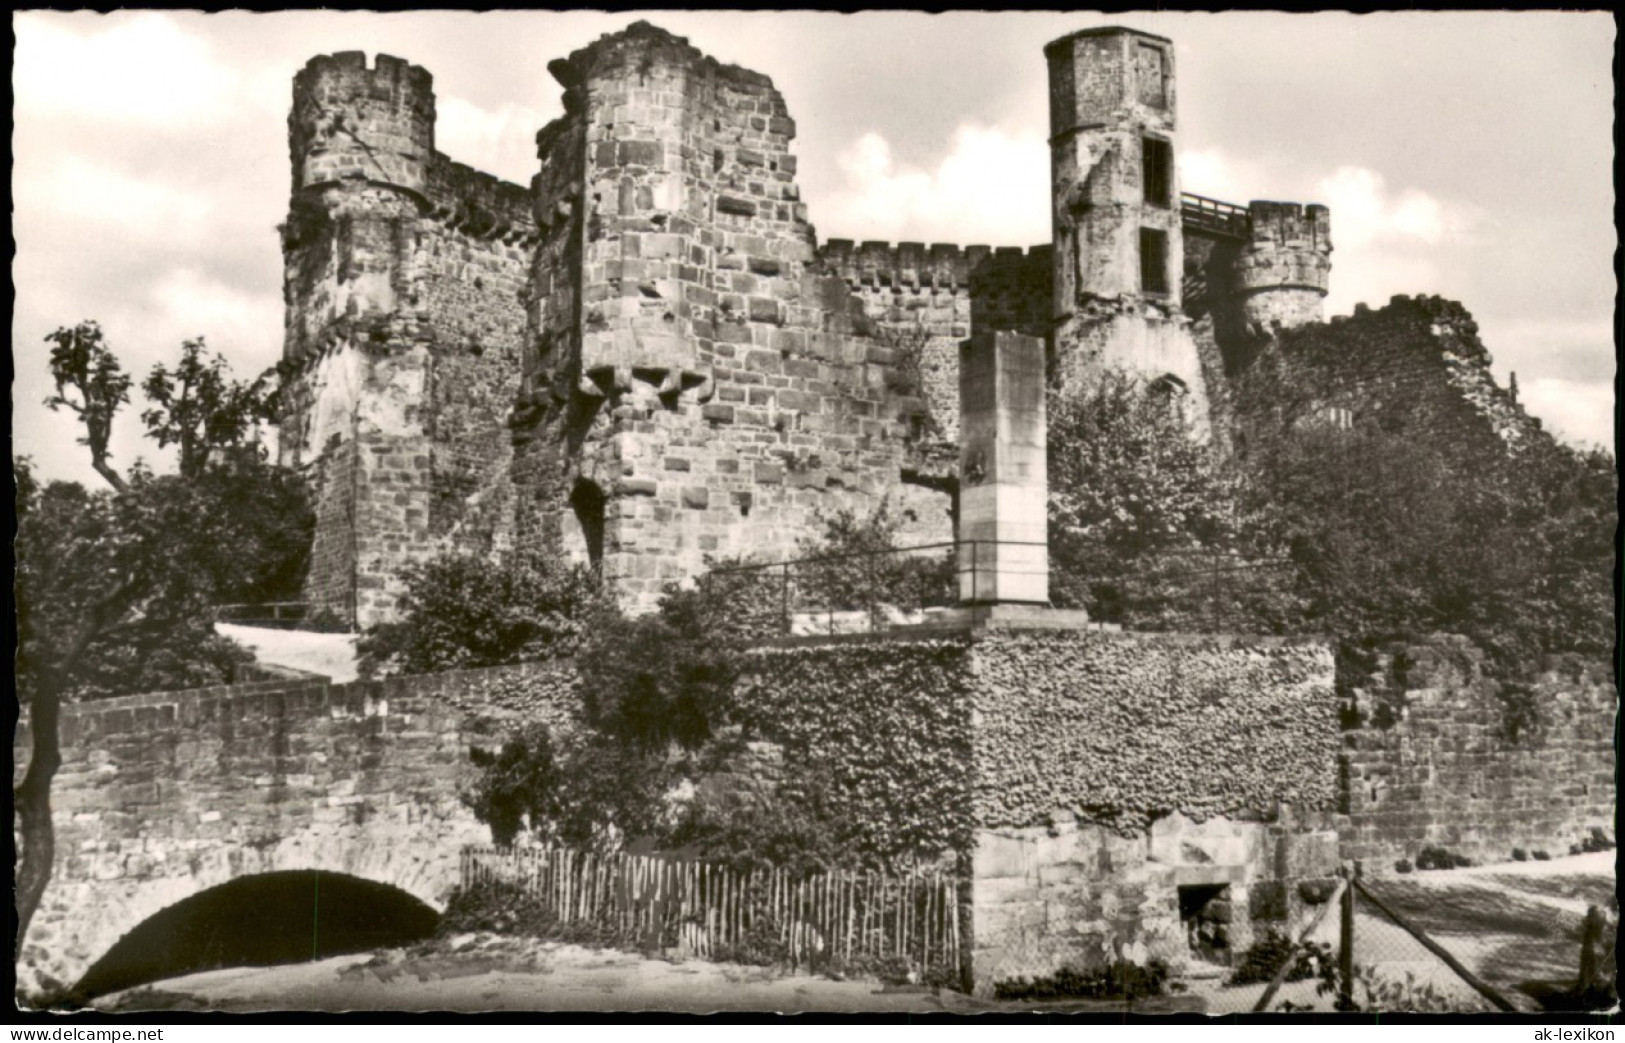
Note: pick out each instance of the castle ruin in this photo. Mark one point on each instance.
(647, 357)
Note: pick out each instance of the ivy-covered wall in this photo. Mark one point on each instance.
(886, 722)
(1091, 781)
(1123, 728)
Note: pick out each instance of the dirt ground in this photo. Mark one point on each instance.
(1511, 924)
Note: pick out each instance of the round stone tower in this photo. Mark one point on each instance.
(1282, 273)
(352, 122)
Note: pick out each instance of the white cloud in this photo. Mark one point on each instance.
(246, 327)
(141, 69)
(502, 143)
(1212, 173)
(992, 187)
(85, 192)
(1365, 211)
(1578, 411)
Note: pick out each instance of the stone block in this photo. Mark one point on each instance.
(1268, 900)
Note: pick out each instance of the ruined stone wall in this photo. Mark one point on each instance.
(927, 300)
(714, 394)
(1431, 759)
(1104, 772)
(403, 325)
(1416, 365)
(163, 796)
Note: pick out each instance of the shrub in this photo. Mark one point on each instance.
(502, 907)
(1403, 866)
(1519, 855)
(1265, 957)
(1541, 856)
(1597, 840)
(1440, 858)
(1121, 979)
(463, 610)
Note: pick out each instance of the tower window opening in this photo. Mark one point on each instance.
(1153, 261)
(587, 502)
(1157, 161)
(1152, 75)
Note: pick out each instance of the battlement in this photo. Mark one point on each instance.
(633, 51)
(385, 69)
(351, 120)
(942, 266)
(479, 204)
(1290, 223)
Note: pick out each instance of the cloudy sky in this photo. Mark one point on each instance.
(1467, 155)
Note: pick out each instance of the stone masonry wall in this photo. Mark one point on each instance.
(1107, 772)
(1430, 759)
(717, 394)
(162, 796)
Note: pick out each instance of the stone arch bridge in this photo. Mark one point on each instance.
(163, 797)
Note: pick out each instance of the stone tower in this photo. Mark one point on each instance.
(1119, 247)
(1282, 272)
(694, 383)
(401, 278)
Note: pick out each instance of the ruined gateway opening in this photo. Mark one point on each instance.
(1204, 912)
(258, 921)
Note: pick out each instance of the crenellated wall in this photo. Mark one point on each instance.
(645, 358)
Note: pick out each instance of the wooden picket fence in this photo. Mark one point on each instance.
(709, 911)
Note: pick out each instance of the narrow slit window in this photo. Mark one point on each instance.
(1157, 157)
(1153, 261)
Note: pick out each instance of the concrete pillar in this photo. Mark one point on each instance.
(1003, 476)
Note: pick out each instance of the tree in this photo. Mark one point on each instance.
(114, 587)
(199, 408)
(92, 384)
(1137, 503)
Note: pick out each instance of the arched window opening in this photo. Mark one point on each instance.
(587, 503)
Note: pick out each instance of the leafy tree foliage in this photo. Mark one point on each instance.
(1138, 506)
(161, 552)
(856, 564)
(198, 407)
(465, 610)
(584, 790)
(115, 587)
(91, 383)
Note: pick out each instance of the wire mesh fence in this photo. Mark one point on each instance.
(1391, 946)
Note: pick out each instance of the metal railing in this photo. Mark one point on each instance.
(1213, 215)
(286, 615)
(864, 591)
(868, 591)
(1188, 590)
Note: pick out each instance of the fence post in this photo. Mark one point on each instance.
(784, 599)
(869, 572)
(1590, 935)
(1345, 946)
